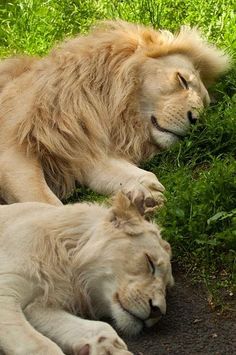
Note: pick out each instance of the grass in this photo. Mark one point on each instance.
(199, 218)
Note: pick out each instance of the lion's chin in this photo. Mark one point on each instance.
(125, 322)
(164, 137)
(164, 140)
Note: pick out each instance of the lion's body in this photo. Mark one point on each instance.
(84, 260)
(66, 120)
(85, 103)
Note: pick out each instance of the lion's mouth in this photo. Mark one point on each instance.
(127, 311)
(157, 126)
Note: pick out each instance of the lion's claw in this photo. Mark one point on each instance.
(146, 193)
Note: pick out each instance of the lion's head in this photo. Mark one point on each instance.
(125, 268)
(173, 73)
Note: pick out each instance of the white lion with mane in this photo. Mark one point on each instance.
(96, 106)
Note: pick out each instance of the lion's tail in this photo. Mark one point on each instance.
(13, 67)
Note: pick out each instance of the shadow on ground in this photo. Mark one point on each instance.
(189, 327)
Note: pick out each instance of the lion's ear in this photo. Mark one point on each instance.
(208, 60)
(124, 214)
(166, 246)
(123, 207)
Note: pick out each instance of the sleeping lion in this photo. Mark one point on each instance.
(62, 262)
(96, 106)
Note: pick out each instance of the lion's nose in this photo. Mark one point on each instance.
(155, 311)
(191, 117)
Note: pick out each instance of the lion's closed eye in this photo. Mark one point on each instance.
(151, 264)
(183, 82)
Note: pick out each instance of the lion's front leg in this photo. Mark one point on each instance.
(22, 179)
(111, 175)
(17, 336)
(75, 335)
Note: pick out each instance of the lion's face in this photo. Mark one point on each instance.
(131, 273)
(171, 97)
(142, 275)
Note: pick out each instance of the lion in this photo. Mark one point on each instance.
(96, 107)
(61, 264)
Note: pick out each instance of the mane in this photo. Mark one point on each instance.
(84, 101)
(57, 263)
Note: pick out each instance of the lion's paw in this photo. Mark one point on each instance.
(103, 343)
(146, 193)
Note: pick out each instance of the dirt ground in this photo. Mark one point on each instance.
(189, 327)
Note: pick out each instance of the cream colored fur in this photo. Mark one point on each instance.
(62, 263)
(97, 105)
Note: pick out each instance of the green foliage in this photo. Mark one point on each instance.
(199, 174)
